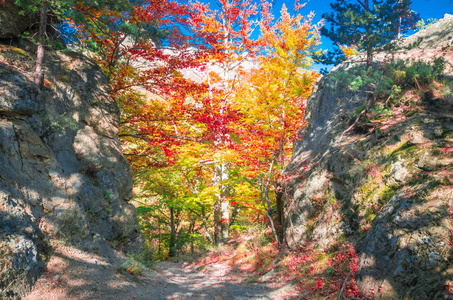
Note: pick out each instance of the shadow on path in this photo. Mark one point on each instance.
(75, 274)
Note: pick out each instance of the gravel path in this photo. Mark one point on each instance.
(74, 274)
(214, 282)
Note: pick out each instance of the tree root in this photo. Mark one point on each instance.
(344, 283)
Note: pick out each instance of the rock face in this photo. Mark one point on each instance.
(12, 23)
(386, 183)
(62, 172)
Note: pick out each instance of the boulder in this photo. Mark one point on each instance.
(383, 185)
(12, 22)
(19, 96)
(63, 175)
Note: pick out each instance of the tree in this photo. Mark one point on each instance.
(55, 11)
(39, 73)
(367, 24)
(144, 53)
(228, 32)
(272, 99)
(179, 197)
(42, 8)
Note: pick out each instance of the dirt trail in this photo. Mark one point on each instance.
(74, 274)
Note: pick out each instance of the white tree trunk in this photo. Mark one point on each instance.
(221, 205)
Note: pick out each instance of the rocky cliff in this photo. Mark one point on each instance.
(383, 180)
(62, 172)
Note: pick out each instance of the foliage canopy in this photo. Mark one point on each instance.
(367, 24)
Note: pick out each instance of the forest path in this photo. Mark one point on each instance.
(215, 281)
(73, 274)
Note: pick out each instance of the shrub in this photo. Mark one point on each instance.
(132, 267)
(421, 24)
(415, 74)
(390, 78)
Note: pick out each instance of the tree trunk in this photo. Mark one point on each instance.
(205, 225)
(235, 212)
(172, 251)
(160, 240)
(369, 49)
(191, 231)
(279, 195)
(39, 72)
(222, 205)
(206, 231)
(282, 152)
(268, 210)
(400, 21)
(399, 28)
(369, 58)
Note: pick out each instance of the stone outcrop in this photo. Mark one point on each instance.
(384, 184)
(12, 23)
(62, 172)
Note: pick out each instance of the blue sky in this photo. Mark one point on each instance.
(426, 8)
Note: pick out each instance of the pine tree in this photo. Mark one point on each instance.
(367, 24)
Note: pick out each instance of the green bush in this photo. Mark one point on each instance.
(421, 24)
(415, 74)
(147, 257)
(390, 78)
(132, 267)
(354, 79)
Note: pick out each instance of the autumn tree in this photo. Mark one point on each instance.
(52, 13)
(272, 101)
(228, 31)
(144, 53)
(367, 24)
(179, 197)
(163, 116)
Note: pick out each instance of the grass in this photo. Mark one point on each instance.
(407, 148)
(6, 255)
(131, 267)
(412, 112)
(15, 50)
(387, 193)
